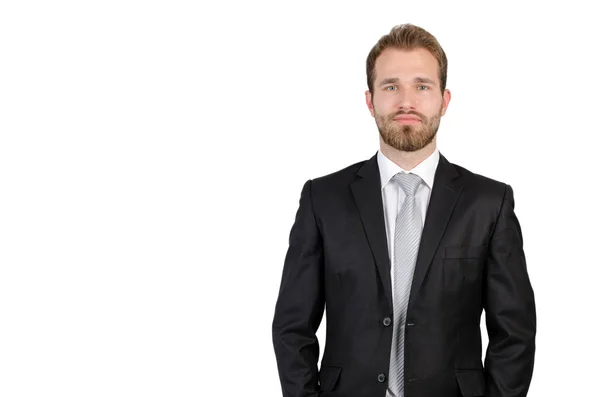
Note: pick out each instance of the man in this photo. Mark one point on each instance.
(405, 250)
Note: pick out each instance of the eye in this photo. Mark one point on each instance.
(391, 88)
(422, 88)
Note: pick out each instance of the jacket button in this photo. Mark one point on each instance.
(381, 378)
(387, 321)
(410, 325)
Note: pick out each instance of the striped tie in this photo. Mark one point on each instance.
(406, 246)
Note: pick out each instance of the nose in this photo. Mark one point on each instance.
(405, 99)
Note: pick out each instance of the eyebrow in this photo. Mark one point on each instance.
(393, 80)
(424, 80)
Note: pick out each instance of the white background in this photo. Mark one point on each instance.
(152, 156)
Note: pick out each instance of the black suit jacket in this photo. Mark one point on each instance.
(470, 259)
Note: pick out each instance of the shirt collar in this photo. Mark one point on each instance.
(425, 169)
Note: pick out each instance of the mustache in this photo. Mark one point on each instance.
(412, 113)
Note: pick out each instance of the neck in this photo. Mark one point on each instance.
(407, 160)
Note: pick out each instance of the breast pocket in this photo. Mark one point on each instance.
(463, 265)
(465, 252)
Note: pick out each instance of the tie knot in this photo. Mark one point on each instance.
(408, 182)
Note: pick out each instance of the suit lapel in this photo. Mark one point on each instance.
(447, 187)
(367, 194)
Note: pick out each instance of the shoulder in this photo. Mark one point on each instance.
(481, 185)
(336, 182)
(346, 174)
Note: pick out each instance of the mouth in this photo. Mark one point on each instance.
(407, 119)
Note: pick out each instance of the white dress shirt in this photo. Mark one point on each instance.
(393, 196)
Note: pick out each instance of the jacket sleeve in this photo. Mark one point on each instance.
(300, 304)
(510, 308)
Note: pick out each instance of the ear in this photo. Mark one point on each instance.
(445, 101)
(369, 100)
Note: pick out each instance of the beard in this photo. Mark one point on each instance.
(408, 138)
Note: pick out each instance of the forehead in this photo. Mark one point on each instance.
(406, 64)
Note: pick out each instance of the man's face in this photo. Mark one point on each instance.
(407, 102)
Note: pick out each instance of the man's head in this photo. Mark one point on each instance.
(407, 96)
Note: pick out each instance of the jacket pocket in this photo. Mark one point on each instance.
(328, 377)
(465, 251)
(471, 382)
